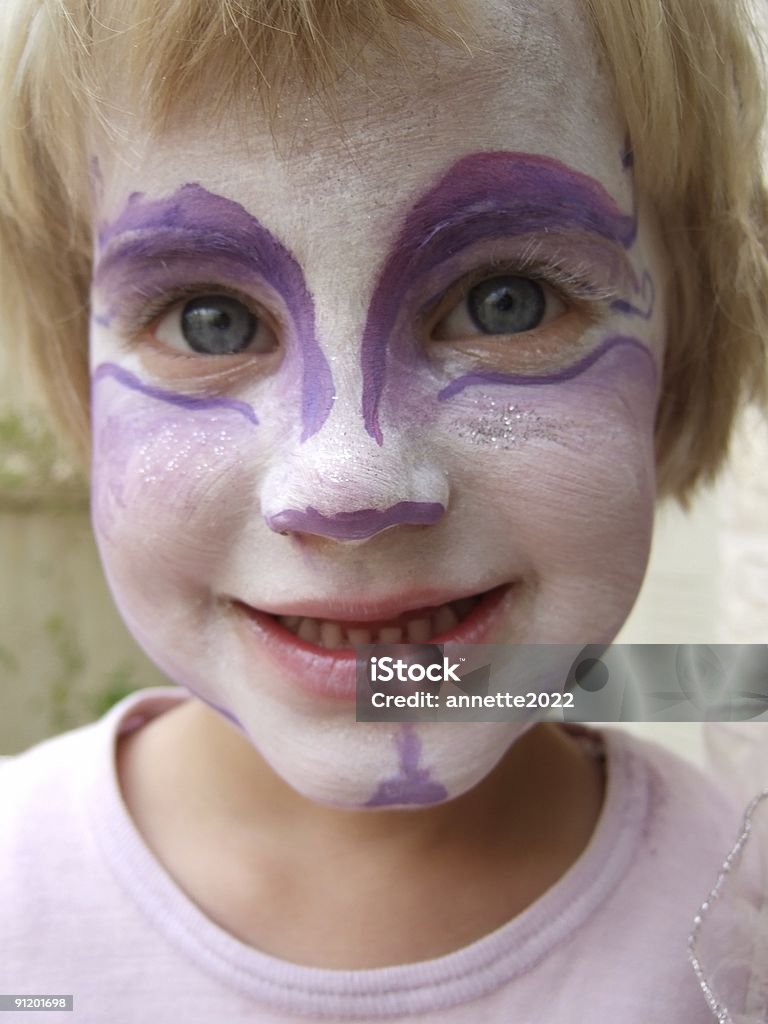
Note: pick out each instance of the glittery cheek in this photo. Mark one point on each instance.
(171, 487)
(482, 198)
(504, 424)
(174, 480)
(618, 388)
(571, 464)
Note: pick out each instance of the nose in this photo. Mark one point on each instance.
(328, 487)
(356, 524)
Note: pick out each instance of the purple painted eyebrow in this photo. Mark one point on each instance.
(358, 525)
(203, 230)
(482, 197)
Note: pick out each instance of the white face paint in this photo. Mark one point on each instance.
(437, 340)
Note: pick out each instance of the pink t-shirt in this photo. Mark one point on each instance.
(86, 909)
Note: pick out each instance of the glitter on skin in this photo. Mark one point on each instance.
(154, 446)
(528, 380)
(482, 197)
(494, 420)
(507, 426)
(544, 515)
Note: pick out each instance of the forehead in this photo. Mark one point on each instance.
(530, 81)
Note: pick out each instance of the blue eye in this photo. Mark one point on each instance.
(502, 305)
(506, 305)
(215, 325)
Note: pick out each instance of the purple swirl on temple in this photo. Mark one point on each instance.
(198, 236)
(647, 292)
(482, 197)
(412, 784)
(357, 525)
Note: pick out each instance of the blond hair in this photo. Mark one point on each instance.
(688, 80)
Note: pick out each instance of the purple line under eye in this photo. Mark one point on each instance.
(492, 199)
(157, 246)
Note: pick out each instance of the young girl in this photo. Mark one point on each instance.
(401, 316)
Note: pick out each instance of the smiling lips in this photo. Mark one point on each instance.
(317, 655)
(419, 625)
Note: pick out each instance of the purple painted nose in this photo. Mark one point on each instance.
(358, 525)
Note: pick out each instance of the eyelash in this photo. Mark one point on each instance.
(136, 314)
(574, 284)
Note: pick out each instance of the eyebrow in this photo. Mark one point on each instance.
(151, 239)
(523, 193)
(483, 197)
(193, 222)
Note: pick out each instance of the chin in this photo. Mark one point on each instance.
(384, 766)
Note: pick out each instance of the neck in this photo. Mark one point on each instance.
(433, 879)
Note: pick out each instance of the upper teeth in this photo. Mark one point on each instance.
(418, 630)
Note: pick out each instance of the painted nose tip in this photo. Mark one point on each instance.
(360, 524)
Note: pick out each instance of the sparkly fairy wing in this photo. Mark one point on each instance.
(728, 943)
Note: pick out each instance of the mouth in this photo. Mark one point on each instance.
(319, 649)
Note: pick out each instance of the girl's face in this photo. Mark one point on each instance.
(392, 384)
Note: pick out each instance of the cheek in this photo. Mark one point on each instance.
(171, 487)
(568, 470)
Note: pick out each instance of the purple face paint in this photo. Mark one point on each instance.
(647, 293)
(569, 373)
(182, 481)
(358, 525)
(413, 784)
(156, 245)
(129, 380)
(483, 197)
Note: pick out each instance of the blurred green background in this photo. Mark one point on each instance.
(65, 656)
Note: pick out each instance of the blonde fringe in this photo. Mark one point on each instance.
(691, 83)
